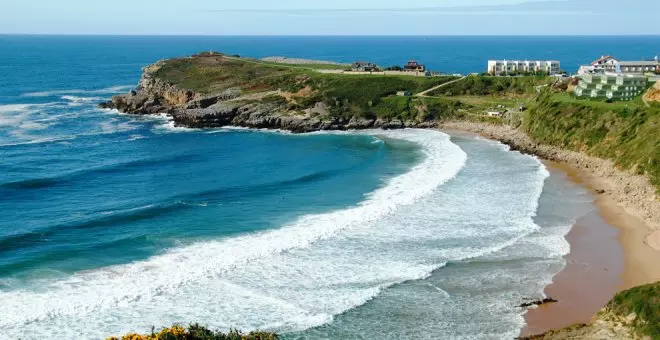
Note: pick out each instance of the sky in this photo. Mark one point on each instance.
(338, 17)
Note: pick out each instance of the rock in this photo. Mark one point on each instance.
(600, 191)
(538, 303)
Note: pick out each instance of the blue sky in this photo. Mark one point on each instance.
(338, 17)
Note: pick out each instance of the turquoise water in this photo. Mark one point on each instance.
(112, 223)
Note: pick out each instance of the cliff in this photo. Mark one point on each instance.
(631, 314)
(213, 90)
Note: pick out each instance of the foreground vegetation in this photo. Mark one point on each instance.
(197, 332)
(644, 303)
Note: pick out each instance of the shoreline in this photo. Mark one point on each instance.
(594, 267)
(626, 211)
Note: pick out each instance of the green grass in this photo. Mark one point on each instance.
(498, 86)
(569, 98)
(644, 301)
(625, 132)
(347, 95)
(309, 66)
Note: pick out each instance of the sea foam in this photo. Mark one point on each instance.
(133, 296)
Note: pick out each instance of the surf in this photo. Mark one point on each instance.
(188, 271)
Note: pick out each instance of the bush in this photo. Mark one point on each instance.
(197, 332)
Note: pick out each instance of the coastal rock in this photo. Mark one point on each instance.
(538, 303)
(230, 107)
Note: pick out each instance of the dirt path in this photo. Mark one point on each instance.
(424, 93)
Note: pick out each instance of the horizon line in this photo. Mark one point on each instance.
(327, 35)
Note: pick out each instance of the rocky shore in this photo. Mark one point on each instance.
(230, 108)
(632, 192)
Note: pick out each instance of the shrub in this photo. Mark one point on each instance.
(197, 332)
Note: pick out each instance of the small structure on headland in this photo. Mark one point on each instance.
(404, 93)
(511, 67)
(364, 66)
(413, 66)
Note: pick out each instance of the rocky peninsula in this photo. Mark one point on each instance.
(213, 90)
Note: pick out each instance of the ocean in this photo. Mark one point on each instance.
(111, 223)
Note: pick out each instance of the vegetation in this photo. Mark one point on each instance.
(346, 95)
(644, 302)
(197, 332)
(626, 132)
(492, 86)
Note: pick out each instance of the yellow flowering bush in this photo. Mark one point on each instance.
(197, 332)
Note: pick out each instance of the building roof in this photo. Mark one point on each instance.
(639, 63)
(604, 58)
(363, 63)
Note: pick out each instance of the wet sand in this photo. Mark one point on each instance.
(608, 254)
(593, 272)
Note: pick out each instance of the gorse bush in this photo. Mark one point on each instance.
(197, 332)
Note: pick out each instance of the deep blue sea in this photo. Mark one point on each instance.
(111, 223)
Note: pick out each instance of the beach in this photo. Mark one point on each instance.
(611, 247)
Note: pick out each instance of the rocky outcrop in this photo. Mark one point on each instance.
(229, 108)
(538, 303)
(653, 94)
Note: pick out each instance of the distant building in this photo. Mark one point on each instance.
(494, 113)
(404, 93)
(610, 64)
(611, 86)
(413, 66)
(504, 67)
(363, 66)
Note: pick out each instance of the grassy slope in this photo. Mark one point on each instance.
(492, 86)
(626, 132)
(644, 302)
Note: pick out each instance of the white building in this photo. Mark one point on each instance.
(504, 67)
(609, 64)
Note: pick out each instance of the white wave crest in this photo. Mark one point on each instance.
(107, 90)
(213, 282)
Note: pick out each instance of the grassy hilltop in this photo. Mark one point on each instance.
(302, 86)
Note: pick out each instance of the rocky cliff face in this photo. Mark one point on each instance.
(229, 108)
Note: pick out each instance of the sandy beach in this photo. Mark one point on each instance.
(593, 273)
(613, 248)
